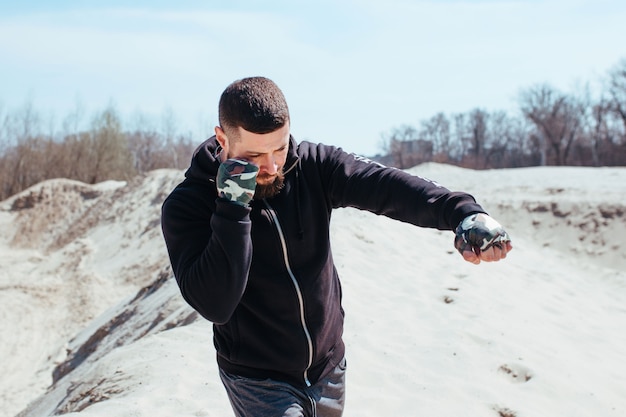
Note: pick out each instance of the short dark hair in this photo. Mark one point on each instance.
(255, 104)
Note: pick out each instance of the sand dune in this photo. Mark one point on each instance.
(92, 323)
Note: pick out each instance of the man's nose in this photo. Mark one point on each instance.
(268, 165)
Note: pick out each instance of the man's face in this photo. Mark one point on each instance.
(267, 151)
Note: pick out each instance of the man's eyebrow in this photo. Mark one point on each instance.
(252, 152)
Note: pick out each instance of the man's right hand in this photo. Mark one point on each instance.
(236, 181)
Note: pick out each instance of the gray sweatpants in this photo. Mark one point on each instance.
(268, 398)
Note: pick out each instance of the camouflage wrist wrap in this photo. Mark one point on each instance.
(236, 181)
(479, 232)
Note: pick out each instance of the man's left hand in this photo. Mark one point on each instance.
(481, 238)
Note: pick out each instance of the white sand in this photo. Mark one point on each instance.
(539, 334)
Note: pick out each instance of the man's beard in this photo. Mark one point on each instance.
(269, 190)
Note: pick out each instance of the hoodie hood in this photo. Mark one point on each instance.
(205, 161)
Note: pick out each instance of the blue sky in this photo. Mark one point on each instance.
(351, 70)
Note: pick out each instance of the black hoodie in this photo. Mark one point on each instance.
(264, 274)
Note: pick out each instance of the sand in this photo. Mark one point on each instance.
(92, 323)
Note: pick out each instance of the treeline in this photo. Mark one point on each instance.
(104, 150)
(551, 128)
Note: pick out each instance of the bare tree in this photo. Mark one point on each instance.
(460, 143)
(617, 90)
(184, 147)
(76, 145)
(437, 131)
(471, 132)
(22, 166)
(557, 118)
(169, 127)
(179, 146)
(596, 132)
(154, 148)
(506, 146)
(144, 143)
(406, 149)
(4, 126)
(477, 135)
(109, 153)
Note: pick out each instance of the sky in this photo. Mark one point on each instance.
(351, 70)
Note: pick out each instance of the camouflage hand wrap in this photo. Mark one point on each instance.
(236, 181)
(478, 233)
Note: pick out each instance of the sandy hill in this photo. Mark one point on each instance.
(93, 324)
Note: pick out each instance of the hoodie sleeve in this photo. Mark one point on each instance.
(354, 181)
(210, 250)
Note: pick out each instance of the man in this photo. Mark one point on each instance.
(248, 237)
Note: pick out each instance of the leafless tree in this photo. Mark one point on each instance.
(617, 91)
(76, 144)
(477, 135)
(178, 147)
(109, 152)
(557, 118)
(506, 146)
(154, 148)
(437, 130)
(405, 148)
(21, 163)
(596, 132)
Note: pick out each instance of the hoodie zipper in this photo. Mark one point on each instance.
(298, 291)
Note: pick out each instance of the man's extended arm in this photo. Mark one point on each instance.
(357, 182)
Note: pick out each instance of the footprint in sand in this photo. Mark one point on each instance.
(447, 299)
(516, 372)
(504, 412)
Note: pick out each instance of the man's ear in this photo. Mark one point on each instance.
(222, 139)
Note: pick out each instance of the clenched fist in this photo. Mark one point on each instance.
(236, 181)
(481, 238)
